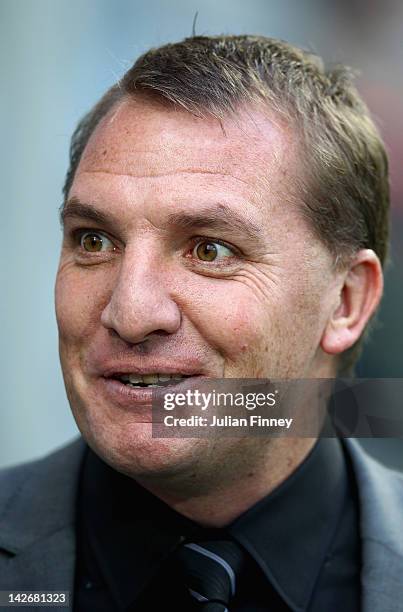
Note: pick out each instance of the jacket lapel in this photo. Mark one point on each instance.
(37, 514)
(381, 503)
(47, 565)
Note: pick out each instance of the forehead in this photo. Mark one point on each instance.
(249, 151)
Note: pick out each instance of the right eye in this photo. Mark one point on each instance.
(94, 242)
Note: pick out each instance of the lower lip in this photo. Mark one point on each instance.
(129, 397)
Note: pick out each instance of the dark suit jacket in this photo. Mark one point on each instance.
(37, 531)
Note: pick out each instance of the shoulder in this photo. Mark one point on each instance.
(43, 470)
(59, 456)
(371, 473)
(39, 494)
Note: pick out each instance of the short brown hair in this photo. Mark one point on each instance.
(345, 191)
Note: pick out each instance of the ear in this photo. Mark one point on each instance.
(360, 294)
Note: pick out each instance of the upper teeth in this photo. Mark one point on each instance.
(150, 379)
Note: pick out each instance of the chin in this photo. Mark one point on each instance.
(134, 452)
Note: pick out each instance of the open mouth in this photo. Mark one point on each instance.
(151, 381)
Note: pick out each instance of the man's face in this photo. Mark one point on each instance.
(187, 255)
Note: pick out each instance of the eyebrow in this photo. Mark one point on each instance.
(74, 208)
(219, 217)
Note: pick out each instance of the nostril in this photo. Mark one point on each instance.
(142, 346)
(137, 309)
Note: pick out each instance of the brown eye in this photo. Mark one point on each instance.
(210, 251)
(91, 243)
(206, 251)
(95, 243)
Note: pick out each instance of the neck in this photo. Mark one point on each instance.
(218, 498)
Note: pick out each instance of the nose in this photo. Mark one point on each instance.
(140, 302)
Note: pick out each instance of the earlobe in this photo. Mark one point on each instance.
(359, 296)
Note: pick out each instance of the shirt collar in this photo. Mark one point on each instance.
(288, 532)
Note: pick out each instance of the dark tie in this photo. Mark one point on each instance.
(210, 571)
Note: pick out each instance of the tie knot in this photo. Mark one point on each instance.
(210, 571)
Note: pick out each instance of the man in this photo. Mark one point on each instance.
(225, 216)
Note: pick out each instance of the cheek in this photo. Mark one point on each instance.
(80, 298)
(231, 320)
(260, 335)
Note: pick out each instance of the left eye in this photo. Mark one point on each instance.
(209, 251)
(95, 243)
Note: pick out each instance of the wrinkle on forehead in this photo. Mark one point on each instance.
(156, 149)
(173, 172)
(146, 140)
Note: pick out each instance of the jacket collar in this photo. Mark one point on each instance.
(37, 515)
(381, 502)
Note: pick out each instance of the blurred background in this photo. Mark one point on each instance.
(57, 58)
